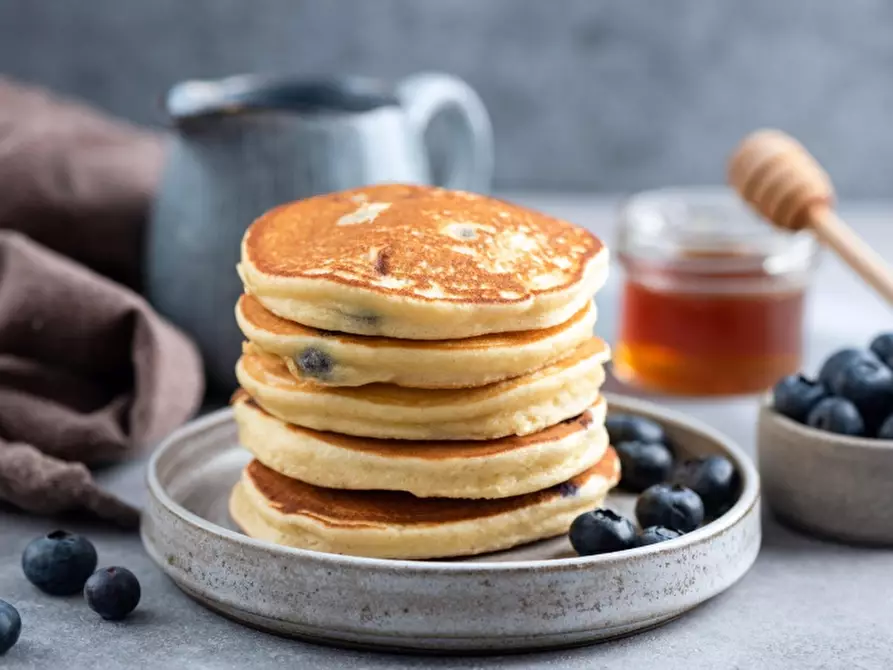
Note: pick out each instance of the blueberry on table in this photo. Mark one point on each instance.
(629, 428)
(795, 395)
(885, 432)
(674, 507)
(10, 626)
(643, 464)
(836, 362)
(868, 384)
(59, 563)
(600, 532)
(112, 593)
(837, 415)
(714, 479)
(882, 347)
(655, 534)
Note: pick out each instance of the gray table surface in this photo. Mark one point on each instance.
(805, 604)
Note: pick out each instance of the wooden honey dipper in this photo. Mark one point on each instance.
(779, 178)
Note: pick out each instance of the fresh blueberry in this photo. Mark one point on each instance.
(836, 362)
(10, 626)
(59, 563)
(568, 489)
(882, 347)
(837, 415)
(600, 532)
(655, 534)
(885, 432)
(643, 464)
(794, 395)
(868, 383)
(629, 428)
(113, 593)
(714, 479)
(315, 363)
(674, 507)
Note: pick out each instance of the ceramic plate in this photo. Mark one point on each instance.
(533, 597)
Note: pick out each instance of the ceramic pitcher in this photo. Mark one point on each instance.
(242, 145)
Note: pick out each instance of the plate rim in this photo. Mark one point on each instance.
(749, 498)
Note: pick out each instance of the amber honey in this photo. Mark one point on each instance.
(713, 299)
(703, 344)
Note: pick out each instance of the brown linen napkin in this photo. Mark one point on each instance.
(76, 180)
(88, 374)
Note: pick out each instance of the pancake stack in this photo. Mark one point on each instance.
(420, 378)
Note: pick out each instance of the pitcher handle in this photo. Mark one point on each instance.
(425, 96)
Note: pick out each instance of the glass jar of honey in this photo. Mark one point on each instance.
(713, 296)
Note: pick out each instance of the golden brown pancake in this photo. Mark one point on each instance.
(270, 506)
(481, 469)
(342, 359)
(518, 406)
(418, 262)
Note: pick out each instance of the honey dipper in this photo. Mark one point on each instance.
(779, 178)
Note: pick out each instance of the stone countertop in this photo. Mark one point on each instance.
(805, 604)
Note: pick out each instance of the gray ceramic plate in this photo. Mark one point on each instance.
(533, 597)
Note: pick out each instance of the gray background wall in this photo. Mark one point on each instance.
(598, 95)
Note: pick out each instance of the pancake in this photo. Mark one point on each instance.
(418, 262)
(518, 406)
(385, 524)
(340, 359)
(493, 469)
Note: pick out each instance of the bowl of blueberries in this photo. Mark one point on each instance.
(826, 446)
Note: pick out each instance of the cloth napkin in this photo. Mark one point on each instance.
(89, 373)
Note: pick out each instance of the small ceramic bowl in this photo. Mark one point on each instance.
(830, 485)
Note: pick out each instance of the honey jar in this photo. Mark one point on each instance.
(713, 296)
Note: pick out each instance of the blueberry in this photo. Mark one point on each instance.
(568, 489)
(59, 563)
(315, 363)
(600, 532)
(674, 507)
(882, 347)
(643, 464)
(836, 362)
(629, 428)
(794, 395)
(10, 626)
(655, 534)
(837, 415)
(868, 383)
(714, 479)
(113, 593)
(885, 432)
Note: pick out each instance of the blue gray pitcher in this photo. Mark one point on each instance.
(245, 144)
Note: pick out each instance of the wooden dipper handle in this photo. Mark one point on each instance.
(778, 177)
